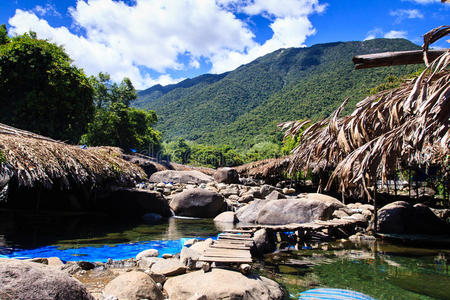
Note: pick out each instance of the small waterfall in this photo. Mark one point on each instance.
(172, 212)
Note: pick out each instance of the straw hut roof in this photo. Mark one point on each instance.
(408, 125)
(272, 167)
(37, 161)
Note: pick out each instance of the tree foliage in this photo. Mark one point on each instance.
(40, 89)
(117, 124)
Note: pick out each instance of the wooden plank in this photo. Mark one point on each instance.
(213, 254)
(236, 234)
(229, 246)
(229, 252)
(238, 231)
(226, 259)
(394, 58)
(235, 238)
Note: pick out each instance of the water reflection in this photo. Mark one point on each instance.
(381, 270)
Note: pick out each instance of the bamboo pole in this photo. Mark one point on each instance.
(394, 58)
(375, 208)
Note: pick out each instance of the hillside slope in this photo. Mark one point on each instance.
(243, 106)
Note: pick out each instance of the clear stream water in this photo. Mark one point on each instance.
(381, 270)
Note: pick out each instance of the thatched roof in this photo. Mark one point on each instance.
(406, 125)
(272, 167)
(37, 161)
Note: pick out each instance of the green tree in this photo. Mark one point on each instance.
(40, 89)
(117, 124)
(3, 35)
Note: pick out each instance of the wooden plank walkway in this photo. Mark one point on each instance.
(232, 246)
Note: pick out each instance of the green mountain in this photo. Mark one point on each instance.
(243, 106)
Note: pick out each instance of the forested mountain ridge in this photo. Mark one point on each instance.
(243, 106)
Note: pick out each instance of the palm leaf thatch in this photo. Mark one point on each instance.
(37, 161)
(407, 125)
(262, 169)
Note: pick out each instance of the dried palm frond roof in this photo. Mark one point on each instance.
(34, 160)
(272, 167)
(408, 124)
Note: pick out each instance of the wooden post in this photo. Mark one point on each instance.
(375, 209)
(409, 184)
(395, 184)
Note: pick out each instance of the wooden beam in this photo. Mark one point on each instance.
(394, 58)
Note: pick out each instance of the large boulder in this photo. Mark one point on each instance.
(400, 217)
(226, 217)
(304, 210)
(262, 242)
(196, 177)
(133, 201)
(226, 175)
(222, 284)
(133, 286)
(248, 214)
(29, 280)
(168, 267)
(198, 202)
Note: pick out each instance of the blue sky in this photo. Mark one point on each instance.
(165, 41)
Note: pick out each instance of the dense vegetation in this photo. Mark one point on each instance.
(241, 108)
(40, 89)
(116, 123)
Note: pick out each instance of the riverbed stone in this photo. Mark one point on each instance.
(28, 280)
(248, 214)
(222, 284)
(169, 267)
(262, 242)
(304, 210)
(226, 217)
(147, 253)
(275, 195)
(266, 190)
(198, 203)
(400, 217)
(189, 257)
(226, 175)
(133, 285)
(195, 177)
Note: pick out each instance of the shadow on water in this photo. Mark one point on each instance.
(27, 231)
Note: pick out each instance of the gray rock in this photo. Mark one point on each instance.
(226, 175)
(246, 198)
(222, 284)
(147, 262)
(275, 195)
(400, 217)
(230, 192)
(266, 190)
(133, 285)
(189, 257)
(195, 177)
(169, 267)
(147, 253)
(262, 243)
(285, 211)
(198, 203)
(28, 280)
(226, 217)
(339, 214)
(249, 213)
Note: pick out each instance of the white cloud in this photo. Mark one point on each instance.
(406, 14)
(121, 39)
(378, 33)
(394, 34)
(373, 34)
(48, 9)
